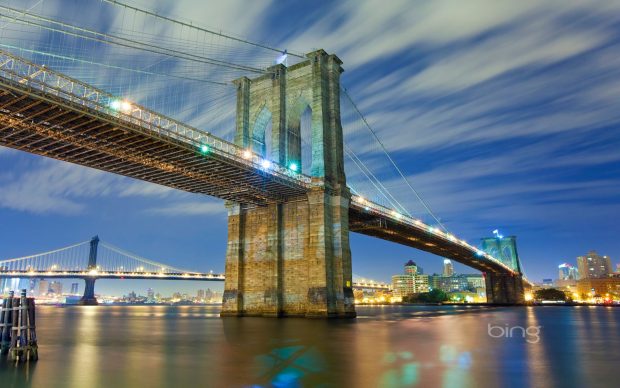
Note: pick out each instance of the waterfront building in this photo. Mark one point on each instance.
(448, 268)
(74, 288)
(200, 295)
(421, 283)
(403, 285)
(593, 265)
(607, 286)
(475, 281)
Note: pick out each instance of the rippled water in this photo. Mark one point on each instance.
(392, 346)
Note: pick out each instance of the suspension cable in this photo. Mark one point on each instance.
(428, 209)
(153, 14)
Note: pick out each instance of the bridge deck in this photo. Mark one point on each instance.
(371, 221)
(111, 275)
(48, 120)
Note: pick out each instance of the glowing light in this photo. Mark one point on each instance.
(93, 272)
(204, 148)
(115, 104)
(396, 214)
(124, 106)
(265, 164)
(528, 296)
(247, 154)
(431, 230)
(293, 166)
(479, 253)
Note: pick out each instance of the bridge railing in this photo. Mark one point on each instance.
(39, 77)
(392, 214)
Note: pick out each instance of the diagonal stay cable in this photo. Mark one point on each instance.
(428, 209)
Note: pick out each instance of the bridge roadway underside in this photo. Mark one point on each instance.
(44, 124)
(386, 229)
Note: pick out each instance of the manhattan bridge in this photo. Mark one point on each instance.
(272, 132)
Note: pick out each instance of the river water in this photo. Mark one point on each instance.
(389, 346)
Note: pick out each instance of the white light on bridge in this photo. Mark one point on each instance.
(120, 105)
(265, 164)
(293, 167)
(247, 154)
(93, 272)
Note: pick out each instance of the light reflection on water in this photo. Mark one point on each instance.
(387, 346)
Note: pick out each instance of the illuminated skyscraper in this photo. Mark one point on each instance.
(448, 269)
(593, 265)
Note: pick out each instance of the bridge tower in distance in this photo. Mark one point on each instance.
(292, 257)
(504, 288)
(88, 299)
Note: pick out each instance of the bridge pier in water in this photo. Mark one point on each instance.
(88, 299)
(292, 258)
(504, 288)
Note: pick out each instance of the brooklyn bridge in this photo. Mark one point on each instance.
(285, 177)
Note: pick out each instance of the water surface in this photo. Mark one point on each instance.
(390, 346)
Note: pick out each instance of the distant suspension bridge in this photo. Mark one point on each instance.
(94, 259)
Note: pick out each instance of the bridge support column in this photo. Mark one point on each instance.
(89, 290)
(290, 259)
(504, 288)
(89, 293)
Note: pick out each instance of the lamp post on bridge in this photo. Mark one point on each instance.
(89, 290)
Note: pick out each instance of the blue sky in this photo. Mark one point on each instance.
(501, 114)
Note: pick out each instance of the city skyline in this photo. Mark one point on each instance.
(551, 165)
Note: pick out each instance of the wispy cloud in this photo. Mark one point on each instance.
(190, 208)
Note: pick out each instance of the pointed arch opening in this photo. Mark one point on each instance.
(300, 136)
(261, 133)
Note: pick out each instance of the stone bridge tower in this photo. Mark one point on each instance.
(292, 258)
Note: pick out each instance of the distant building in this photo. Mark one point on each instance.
(55, 288)
(74, 288)
(411, 282)
(403, 285)
(618, 268)
(421, 283)
(44, 287)
(200, 295)
(411, 268)
(448, 268)
(475, 281)
(547, 283)
(33, 286)
(150, 296)
(589, 287)
(593, 265)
